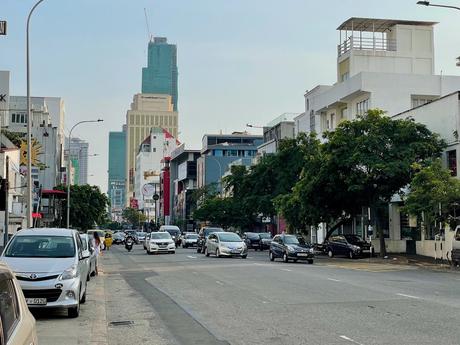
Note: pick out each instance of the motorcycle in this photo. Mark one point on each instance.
(129, 242)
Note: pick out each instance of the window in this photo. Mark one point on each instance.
(9, 307)
(452, 162)
(343, 113)
(421, 100)
(312, 121)
(345, 76)
(362, 107)
(308, 104)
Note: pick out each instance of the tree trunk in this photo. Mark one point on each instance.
(383, 249)
(335, 227)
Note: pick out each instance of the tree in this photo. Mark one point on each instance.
(88, 206)
(133, 216)
(362, 163)
(434, 193)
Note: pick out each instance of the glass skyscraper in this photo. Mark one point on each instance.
(117, 170)
(160, 75)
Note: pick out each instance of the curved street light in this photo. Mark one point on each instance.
(29, 125)
(68, 166)
(427, 3)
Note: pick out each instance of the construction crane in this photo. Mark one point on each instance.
(149, 35)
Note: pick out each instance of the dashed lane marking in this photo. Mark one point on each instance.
(408, 296)
(334, 280)
(219, 282)
(191, 257)
(344, 337)
(286, 269)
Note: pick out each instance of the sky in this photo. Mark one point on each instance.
(239, 61)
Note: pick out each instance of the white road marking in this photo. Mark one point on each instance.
(255, 263)
(344, 337)
(264, 302)
(191, 257)
(219, 282)
(408, 296)
(334, 280)
(286, 269)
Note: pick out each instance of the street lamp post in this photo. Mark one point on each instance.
(68, 166)
(29, 125)
(427, 3)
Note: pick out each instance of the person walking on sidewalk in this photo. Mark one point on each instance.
(97, 249)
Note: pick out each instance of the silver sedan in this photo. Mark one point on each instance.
(226, 244)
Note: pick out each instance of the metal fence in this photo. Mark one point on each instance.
(366, 43)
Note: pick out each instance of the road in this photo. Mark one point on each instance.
(187, 298)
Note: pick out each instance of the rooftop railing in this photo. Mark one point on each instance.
(366, 43)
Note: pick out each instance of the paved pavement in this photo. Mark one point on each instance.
(188, 298)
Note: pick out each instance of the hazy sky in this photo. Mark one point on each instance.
(239, 61)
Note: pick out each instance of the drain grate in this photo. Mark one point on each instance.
(121, 323)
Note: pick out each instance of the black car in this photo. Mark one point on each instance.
(288, 248)
(349, 245)
(203, 235)
(265, 240)
(252, 240)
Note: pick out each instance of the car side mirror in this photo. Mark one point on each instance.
(85, 254)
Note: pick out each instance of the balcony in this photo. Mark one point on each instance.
(366, 43)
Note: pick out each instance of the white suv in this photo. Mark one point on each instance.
(50, 266)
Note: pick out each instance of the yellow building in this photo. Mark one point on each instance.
(147, 111)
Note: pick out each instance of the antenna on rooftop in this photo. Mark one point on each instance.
(149, 35)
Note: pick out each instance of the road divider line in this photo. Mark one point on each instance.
(191, 257)
(344, 337)
(334, 280)
(408, 296)
(286, 269)
(219, 282)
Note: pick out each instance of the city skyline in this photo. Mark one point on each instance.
(248, 69)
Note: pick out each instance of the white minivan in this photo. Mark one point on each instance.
(50, 265)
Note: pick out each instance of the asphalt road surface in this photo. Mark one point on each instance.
(187, 298)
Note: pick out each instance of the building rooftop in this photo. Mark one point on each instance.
(378, 25)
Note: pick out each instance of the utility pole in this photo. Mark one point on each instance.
(5, 185)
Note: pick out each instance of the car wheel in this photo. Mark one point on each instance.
(295, 260)
(74, 311)
(206, 251)
(255, 249)
(351, 255)
(217, 253)
(198, 250)
(83, 298)
(244, 256)
(330, 253)
(271, 256)
(285, 258)
(310, 261)
(88, 277)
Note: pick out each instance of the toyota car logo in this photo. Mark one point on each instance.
(33, 276)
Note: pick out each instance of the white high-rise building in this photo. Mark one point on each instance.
(79, 160)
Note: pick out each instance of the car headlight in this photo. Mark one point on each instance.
(290, 249)
(355, 247)
(70, 273)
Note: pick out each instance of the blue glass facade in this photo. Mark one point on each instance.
(160, 75)
(117, 170)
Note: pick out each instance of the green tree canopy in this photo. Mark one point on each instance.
(88, 206)
(133, 216)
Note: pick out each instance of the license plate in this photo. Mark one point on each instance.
(236, 251)
(36, 301)
(302, 254)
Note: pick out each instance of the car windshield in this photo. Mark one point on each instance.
(252, 235)
(140, 233)
(291, 240)
(41, 247)
(173, 232)
(84, 242)
(353, 239)
(265, 235)
(208, 231)
(229, 237)
(160, 236)
(191, 236)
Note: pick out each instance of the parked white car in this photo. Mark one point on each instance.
(50, 267)
(17, 325)
(88, 251)
(161, 242)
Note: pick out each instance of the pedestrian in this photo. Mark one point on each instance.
(97, 249)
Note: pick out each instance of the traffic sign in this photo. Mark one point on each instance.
(148, 189)
(156, 197)
(2, 27)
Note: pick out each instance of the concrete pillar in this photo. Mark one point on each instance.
(394, 221)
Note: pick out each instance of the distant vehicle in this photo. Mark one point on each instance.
(252, 240)
(118, 237)
(146, 240)
(133, 234)
(203, 235)
(174, 231)
(455, 253)
(88, 250)
(189, 240)
(265, 240)
(225, 244)
(17, 325)
(50, 267)
(288, 248)
(348, 245)
(141, 236)
(161, 242)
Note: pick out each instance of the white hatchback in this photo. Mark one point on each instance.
(17, 325)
